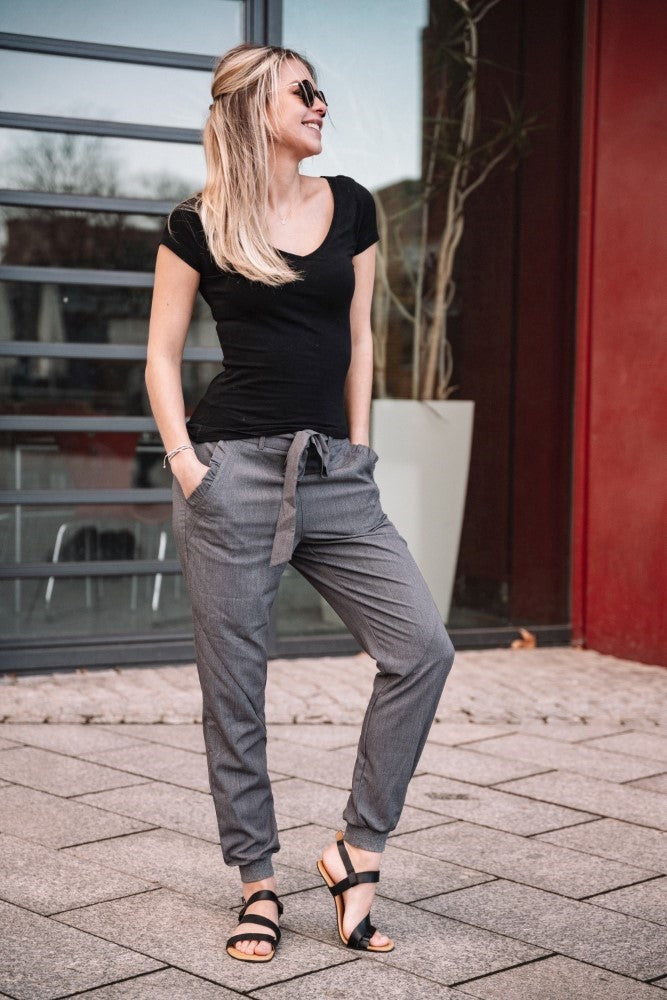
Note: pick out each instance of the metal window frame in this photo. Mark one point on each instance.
(84, 202)
(95, 352)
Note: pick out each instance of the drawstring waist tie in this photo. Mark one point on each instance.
(295, 463)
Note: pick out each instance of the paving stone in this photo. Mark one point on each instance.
(461, 764)
(5, 744)
(42, 958)
(171, 806)
(651, 745)
(569, 732)
(325, 736)
(311, 763)
(145, 694)
(310, 802)
(580, 758)
(455, 733)
(405, 876)
(46, 881)
(161, 762)
(58, 774)
(184, 735)
(176, 930)
(75, 740)
(169, 983)
(522, 859)
(447, 950)
(662, 982)
(57, 822)
(610, 838)
(497, 687)
(579, 930)
(489, 806)
(185, 864)
(647, 900)
(365, 979)
(658, 783)
(557, 978)
(635, 805)
(477, 768)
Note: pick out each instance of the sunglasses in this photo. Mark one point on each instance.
(307, 93)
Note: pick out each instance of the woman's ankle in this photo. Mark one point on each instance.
(256, 884)
(360, 854)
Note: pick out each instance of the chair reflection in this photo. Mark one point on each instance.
(105, 461)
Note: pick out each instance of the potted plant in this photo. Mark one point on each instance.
(425, 438)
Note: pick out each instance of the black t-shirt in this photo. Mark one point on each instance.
(286, 350)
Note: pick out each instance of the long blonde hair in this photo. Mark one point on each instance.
(236, 136)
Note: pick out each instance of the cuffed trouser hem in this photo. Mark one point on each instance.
(367, 840)
(256, 870)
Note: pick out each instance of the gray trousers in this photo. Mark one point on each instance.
(311, 500)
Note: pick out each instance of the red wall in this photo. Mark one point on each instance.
(620, 484)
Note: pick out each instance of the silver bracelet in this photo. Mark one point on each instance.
(170, 454)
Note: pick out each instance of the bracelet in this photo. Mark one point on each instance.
(170, 454)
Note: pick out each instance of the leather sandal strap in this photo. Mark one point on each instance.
(251, 937)
(347, 861)
(360, 937)
(354, 879)
(262, 894)
(257, 918)
(342, 850)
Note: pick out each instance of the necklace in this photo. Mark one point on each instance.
(284, 219)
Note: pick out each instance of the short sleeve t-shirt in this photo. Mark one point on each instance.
(287, 349)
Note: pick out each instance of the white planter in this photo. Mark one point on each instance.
(422, 474)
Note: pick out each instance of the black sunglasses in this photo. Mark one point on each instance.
(307, 93)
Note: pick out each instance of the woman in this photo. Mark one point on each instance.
(274, 466)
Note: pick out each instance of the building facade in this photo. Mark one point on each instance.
(556, 326)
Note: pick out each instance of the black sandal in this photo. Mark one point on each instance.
(361, 935)
(256, 918)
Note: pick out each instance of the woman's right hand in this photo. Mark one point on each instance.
(189, 471)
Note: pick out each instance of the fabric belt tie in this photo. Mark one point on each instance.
(283, 541)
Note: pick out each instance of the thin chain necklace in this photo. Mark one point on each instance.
(283, 219)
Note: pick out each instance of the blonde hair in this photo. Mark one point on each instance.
(236, 137)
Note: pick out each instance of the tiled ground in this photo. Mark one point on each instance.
(530, 861)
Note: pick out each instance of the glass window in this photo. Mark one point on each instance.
(55, 313)
(198, 26)
(393, 123)
(79, 606)
(89, 386)
(62, 163)
(47, 237)
(37, 84)
(374, 129)
(79, 460)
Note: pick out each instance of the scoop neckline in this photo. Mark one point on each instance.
(305, 256)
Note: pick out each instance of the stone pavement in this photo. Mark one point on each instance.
(530, 861)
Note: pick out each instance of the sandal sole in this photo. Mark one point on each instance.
(243, 956)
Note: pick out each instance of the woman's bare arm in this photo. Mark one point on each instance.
(174, 293)
(359, 380)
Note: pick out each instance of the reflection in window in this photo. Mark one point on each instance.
(88, 314)
(95, 606)
(89, 386)
(47, 237)
(69, 460)
(99, 165)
